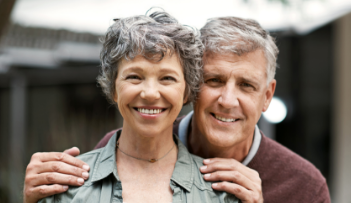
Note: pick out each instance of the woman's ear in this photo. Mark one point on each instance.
(186, 95)
(115, 97)
(185, 99)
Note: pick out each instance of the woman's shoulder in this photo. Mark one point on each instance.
(199, 182)
(90, 158)
(203, 186)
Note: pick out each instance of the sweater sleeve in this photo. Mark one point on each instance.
(103, 142)
(323, 195)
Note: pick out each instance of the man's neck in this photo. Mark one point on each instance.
(199, 145)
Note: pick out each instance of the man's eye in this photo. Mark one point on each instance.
(213, 80)
(246, 85)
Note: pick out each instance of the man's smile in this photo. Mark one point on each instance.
(223, 118)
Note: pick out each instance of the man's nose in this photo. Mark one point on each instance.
(150, 91)
(229, 97)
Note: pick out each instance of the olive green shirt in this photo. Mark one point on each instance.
(104, 184)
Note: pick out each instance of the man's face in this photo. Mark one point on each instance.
(233, 95)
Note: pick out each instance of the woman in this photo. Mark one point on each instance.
(151, 66)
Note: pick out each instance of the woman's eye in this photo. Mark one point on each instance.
(169, 78)
(133, 77)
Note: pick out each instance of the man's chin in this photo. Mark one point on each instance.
(223, 139)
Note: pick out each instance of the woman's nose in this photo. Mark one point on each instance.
(150, 91)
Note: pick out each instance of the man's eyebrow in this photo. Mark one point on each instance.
(215, 75)
(247, 80)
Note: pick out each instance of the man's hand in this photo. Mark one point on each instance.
(50, 173)
(236, 178)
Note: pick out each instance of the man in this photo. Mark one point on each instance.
(239, 69)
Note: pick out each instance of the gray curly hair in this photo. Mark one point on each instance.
(240, 36)
(152, 36)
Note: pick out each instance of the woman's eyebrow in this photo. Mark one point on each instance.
(133, 68)
(168, 70)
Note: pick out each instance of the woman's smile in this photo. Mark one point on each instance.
(150, 112)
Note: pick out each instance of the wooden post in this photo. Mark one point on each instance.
(5, 11)
(17, 139)
(341, 134)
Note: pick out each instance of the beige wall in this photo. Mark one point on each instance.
(341, 135)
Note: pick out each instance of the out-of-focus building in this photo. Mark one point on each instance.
(49, 99)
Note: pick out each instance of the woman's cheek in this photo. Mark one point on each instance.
(125, 94)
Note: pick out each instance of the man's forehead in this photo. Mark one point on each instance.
(251, 65)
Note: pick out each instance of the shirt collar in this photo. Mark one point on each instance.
(183, 128)
(184, 169)
(254, 146)
(106, 162)
(183, 134)
(183, 173)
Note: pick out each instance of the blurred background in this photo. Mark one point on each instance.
(49, 60)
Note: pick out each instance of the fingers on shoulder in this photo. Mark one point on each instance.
(220, 164)
(240, 192)
(58, 178)
(231, 176)
(45, 191)
(231, 188)
(62, 157)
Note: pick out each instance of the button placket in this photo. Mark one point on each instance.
(177, 193)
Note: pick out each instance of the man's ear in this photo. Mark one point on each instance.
(269, 94)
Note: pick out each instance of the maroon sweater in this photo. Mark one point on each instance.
(286, 177)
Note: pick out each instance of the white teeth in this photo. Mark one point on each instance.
(150, 111)
(224, 119)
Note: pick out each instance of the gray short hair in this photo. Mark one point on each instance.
(240, 36)
(152, 36)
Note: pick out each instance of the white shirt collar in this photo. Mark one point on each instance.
(183, 133)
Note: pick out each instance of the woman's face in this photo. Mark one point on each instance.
(150, 94)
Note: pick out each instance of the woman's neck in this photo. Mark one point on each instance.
(144, 145)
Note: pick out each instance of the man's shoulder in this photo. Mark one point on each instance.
(276, 154)
(286, 174)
